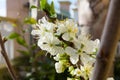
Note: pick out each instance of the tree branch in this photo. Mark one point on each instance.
(4, 54)
(109, 41)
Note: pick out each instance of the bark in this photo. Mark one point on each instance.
(109, 41)
(4, 54)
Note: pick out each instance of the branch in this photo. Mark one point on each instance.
(109, 41)
(8, 19)
(4, 54)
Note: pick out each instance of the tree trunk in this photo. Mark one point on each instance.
(109, 41)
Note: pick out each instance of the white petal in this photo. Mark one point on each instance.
(66, 36)
(36, 32)
(59, 67)
(74, 59)
(70, 51)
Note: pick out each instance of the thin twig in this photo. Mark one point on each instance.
(4, 54)
(109, 41)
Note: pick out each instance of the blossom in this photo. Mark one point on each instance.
(68, 28)
(43, 26)
(49, 43)
(86, 71)
(73, 52)
(77, 72)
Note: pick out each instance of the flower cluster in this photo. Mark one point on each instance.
(71, 51)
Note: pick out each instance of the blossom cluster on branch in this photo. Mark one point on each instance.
(71, 50)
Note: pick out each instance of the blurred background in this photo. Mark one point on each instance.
(28, 60)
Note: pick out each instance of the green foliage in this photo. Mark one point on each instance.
(32, 7)
(43, 4)
(13, 35)
(48, 8)
(52, 11)
(23, 52)
(30, 21)
(21, 41)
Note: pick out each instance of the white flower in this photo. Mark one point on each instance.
(49, 43)
(91, 46)
(74, 57)
(45, 26)
(69, 28)
(52, 37)
(86, 71)
(59, 67)
(77, 72)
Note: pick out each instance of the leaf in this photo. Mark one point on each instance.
(13, 35)
(47, 8)
(30, 21)
(52, 10)
(32, 7)
(21, 41)
(43, 4)
(34, 46)
(26, 53)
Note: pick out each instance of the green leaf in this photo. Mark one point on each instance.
(52, 10)
(30, 21)
(21, 41)
(26, 53)
(32, 7)
(34, 46)
(47, 8)
(13, 35)
(43, 4)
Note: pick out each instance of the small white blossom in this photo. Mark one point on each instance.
(77, 72)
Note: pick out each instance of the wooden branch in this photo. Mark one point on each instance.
(109, 41)
(8, 19)
(4, 54)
